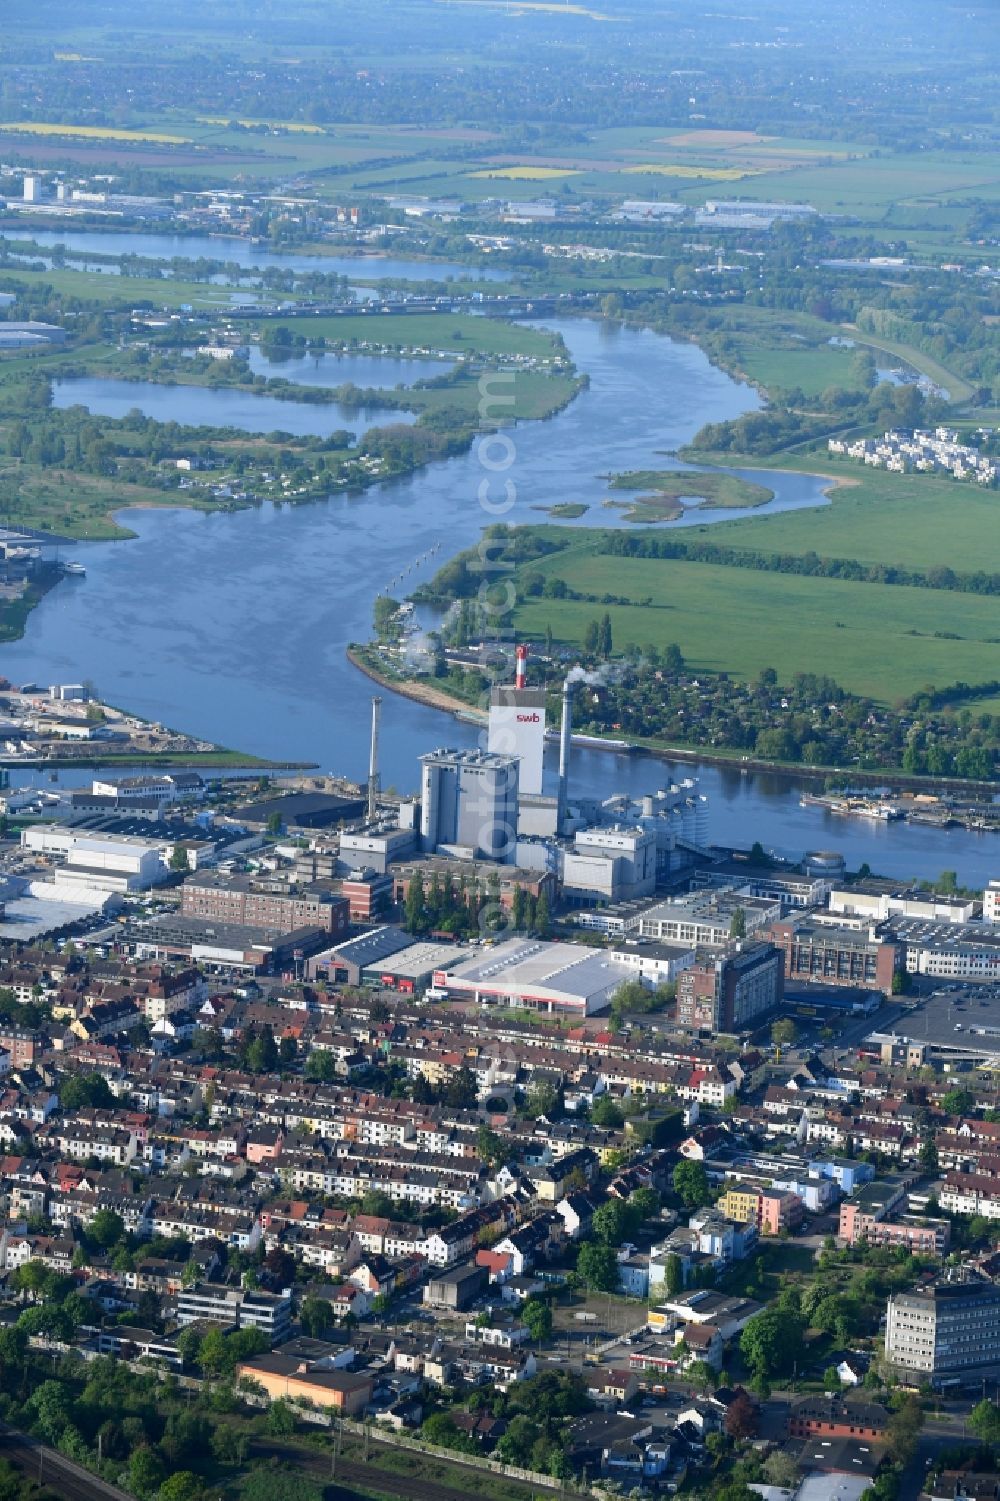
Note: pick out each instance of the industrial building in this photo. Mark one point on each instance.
(385, 956)
(225, 946)
(945, 1329)
(468, 803)
(705, 918)
(93, 863)
(557, 977)
(517, 727)
(861, 958)
(245, 902)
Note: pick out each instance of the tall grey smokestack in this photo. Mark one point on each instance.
(373, 777)
(565, 742)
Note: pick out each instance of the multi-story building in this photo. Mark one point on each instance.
(238, 900)
(861, 958)
(835, 1418)
(946, 1328)
(468, 801)
(706, 917)
(865, 1217)
(219, 1303)
(991, 902)
(771, 1210)
(730, 992)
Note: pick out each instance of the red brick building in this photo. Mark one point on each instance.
(858, 958)
(834, 1418)
(238, 900)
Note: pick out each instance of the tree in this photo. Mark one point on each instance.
(145, 1472)
(280, 1266)
(492, 1148)
(415, 920)
(781, 1470)
(903, 1431)
(984, 1420)
(604, 1112)
(604, 641)
(86, 1089)
(106, 1229)
(673, 1274)
(703, 1375)
(182, 1486)
(691, 1184)
(741, 1418)
(315, 1316)
(461, 1091)
(928, 1156)
(598, 1266)
(771, 1343)
(212, 1354)
(280, 1419)
(738, 923)
(783, 1032)
(957, 1102)
(538, 1318)
(321, 1066)
(614, 1222)
(645, 1202)
(179, 861)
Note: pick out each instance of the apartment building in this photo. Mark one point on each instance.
(219, 1303)
(866, 1217)
(730, 992)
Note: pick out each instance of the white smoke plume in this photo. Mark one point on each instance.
(581, 675)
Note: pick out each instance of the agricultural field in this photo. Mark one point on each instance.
(872, 639)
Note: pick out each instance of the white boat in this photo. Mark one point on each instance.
(76, 569)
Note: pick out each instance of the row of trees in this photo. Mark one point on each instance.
(467, 906)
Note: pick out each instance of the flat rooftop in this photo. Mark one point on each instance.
(566, 967)
(963, 1019)
(372, 948)
(30, 916)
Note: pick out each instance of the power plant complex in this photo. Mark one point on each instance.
(490, 804)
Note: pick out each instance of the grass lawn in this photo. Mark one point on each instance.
(917, 521)
(873, 639)
(457, 333)
(811, 368)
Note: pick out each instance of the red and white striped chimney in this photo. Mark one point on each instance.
(521, 659)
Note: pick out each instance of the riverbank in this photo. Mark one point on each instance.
(735, 760)
(421, 693)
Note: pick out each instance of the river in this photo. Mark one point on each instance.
(234, 626)
(223, 406)
(249, 257)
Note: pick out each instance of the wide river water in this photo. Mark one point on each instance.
(234, 626)
(250, 258)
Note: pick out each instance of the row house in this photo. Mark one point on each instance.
(17, 1247)
(970, 1193)
(450, 1243)
(243, 1231)
(84, 1143)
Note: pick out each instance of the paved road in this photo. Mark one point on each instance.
(69, 1480)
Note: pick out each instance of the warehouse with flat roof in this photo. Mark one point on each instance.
(558, 977)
